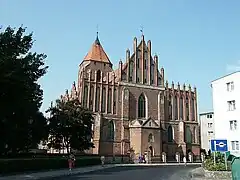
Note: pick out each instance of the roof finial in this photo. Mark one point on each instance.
(97, 40)
(141, 30)
(97, 29)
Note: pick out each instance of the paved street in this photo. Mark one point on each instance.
(139, 173)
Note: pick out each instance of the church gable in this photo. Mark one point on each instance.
(150, 123)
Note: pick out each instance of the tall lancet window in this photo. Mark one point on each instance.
(91, 98)
(109, 108)
(152, 73)
(188, 135)
(97, 103)
(110, 133)
(170, 134)
(98, 75)
(170, 107)
(114, 100)
(193, 109)
(85, 96)
(130, 70)
(141, 106)
(181, 107)
(176, 107)
(103, 99)
(187, 108)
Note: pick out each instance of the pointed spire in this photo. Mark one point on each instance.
(184, 86)
(74, 86)
(97, 53)
(97, 40)
(166, 83)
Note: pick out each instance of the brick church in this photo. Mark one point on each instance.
(135, 107)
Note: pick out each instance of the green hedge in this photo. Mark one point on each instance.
(11, 166)
(220, 163)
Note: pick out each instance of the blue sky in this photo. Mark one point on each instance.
(197, 41)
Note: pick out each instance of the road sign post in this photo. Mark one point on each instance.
(225, 156)
(219, 145)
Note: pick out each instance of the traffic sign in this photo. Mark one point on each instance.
(219, 145)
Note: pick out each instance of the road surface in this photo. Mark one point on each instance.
(136, 173)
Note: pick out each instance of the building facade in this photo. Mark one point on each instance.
(225, 91)
(135, 107)
(207, 129)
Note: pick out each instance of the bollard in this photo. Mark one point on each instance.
(102, 160)
(164, 157)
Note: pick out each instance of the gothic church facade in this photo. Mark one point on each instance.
(134, 106)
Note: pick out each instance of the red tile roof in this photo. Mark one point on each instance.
(97, 53)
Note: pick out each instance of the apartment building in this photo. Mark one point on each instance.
(226, 106)
(207, 129)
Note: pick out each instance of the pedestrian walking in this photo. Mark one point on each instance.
(71, 162)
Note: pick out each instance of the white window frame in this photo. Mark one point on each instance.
(233, 125)
(231, 105)
(230, 86)
(210, 125)
(235, 145)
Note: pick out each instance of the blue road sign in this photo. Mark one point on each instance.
(219, 145)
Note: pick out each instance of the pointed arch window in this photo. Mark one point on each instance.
(97, 99)
(103, 99)
(141, 106)
(176, 107)
(170, 134)
(181, 107)
(187, 108)
(85, 96)
(91, 97)
(188, 135)
(98, 75)
(194, 134)
(110, 131)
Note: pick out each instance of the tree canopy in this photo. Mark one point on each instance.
(70, 126)
(21, 122)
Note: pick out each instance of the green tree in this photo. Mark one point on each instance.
(70, 126)
(21, 122)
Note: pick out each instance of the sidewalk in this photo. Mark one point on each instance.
(56, 173)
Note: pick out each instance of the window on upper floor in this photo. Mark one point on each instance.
(209, 116)
(231, 105)
(230, 86)
(141, 106)
(233, 125)
(210, 133)
(235, 145)
(210, 125)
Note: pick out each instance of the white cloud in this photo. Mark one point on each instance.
(233, 67)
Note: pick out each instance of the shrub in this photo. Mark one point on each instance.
(220, 163)
(37, 164)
